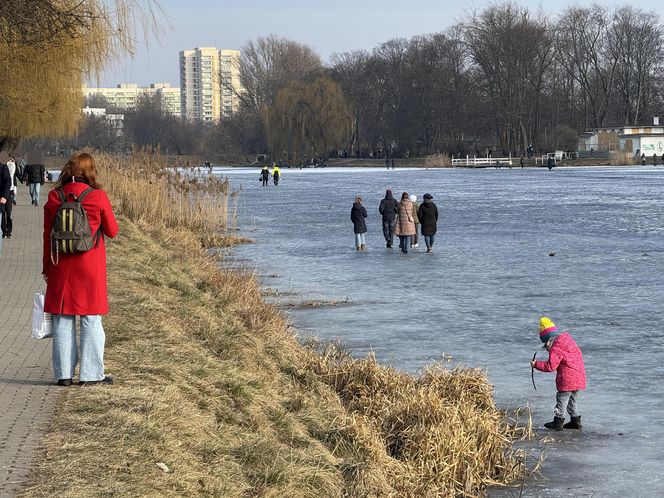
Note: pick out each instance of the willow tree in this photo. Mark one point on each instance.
(308, 119)
(48, 48)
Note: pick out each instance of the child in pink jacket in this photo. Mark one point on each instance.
(566, 359)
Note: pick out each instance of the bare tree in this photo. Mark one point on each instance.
(512, 50)
(635, 42)
(269, 63)
(583, 51)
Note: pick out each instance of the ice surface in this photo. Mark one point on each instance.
(478, 297)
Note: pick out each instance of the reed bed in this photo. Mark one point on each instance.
(144, 188)
(437, 434)
(622, 158)
(438, 161)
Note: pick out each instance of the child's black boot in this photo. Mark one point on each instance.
(575, 423)
(556, 425)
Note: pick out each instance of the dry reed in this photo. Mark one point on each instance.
(143, 188)
(438, 161)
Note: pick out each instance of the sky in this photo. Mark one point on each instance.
(328, 27)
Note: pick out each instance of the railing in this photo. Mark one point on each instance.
(482, 162)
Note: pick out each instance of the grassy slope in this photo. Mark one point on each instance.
(210, 382)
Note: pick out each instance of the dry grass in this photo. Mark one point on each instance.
(622, 158)
(211, 383)
(438, 161)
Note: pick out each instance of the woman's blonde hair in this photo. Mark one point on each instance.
(80, 164)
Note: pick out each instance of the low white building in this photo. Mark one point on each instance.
(114, 120)
(637, 140)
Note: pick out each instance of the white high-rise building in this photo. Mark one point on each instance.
(209, 83)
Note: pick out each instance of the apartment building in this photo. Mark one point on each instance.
(209, 83)
(125, 95)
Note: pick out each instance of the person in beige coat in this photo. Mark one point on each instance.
(416, 208)
(405, 227)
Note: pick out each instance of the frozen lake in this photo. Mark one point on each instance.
(479, 295)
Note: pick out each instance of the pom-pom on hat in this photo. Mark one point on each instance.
(547, 329)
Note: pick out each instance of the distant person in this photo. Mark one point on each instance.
(550, 162)
(34, 174)
(591, 151)
(489, 153)
(388, 209)
(265, 175)
(392, 163)
(416, 220)
(7, 220)
(428, 216)
(643, 159)
(405, 226)
(358, 213)
(387, 163)
(521, 162)
(566, 359)
(76, 281)
(5, 185)
(276, 174)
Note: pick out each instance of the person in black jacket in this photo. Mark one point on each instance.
(34, 177)
(5, 184)
(357, 215)
(428, 215)
(388, 209)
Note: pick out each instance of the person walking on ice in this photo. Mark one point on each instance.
(276, 174)
(265, 175)
(566, 359)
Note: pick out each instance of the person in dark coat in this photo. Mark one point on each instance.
(265, 175)
(358, 213)
(34, 177)
(388, 209)
(428, 215)
(5, 185)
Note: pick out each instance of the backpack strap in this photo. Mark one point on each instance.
(84, 194)
(63, 197)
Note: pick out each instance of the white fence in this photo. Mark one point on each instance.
(482, 162)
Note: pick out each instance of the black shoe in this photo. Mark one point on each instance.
(105, 380)
(556, 425)
(574, 423)
(64, 382)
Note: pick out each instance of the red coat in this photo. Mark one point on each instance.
(566, 359)
(77, 284)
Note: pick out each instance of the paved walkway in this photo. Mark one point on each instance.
(26, 392)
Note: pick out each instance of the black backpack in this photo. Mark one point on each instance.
(71, 231)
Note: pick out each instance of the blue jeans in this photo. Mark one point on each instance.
(359, 239)
(428, 240)
(34, 191)
(404, 242)
(65, 350)
(388, 229)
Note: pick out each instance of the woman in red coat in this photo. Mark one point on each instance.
(76, 283)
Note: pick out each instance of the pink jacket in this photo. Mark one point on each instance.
(565, 357)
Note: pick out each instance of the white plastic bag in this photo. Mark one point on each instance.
(42, 325)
